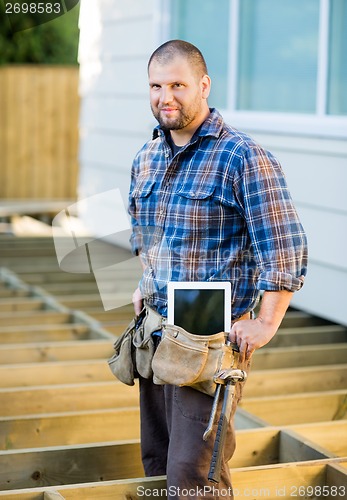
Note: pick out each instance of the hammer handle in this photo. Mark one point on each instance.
(216, 460)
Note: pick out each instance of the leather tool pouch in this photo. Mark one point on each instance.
(186, 359)
(122, 363)
(134, 348)
(143, 342)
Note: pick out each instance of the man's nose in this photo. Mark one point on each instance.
(166, 95)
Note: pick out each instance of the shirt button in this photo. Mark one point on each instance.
(192, 193)
(167, 155)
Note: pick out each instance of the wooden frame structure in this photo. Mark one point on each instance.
(69, 430)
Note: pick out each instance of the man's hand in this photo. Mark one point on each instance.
(251, 334)
(137, 301)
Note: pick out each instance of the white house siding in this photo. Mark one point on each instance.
(116, 40)
(316, 171)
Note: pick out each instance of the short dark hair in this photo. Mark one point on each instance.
(173, 48)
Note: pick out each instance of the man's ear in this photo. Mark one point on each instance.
(205, 86)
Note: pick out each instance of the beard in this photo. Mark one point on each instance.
(184, 117)
(167, 123)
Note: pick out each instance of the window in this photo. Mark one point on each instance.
(205, 25)
(270, 56)
(337, 83)
(277, 56)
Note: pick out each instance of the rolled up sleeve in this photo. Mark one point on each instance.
(277, 235)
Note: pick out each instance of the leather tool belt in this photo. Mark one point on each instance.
(181, 358)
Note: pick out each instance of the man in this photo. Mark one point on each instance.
(223, 210)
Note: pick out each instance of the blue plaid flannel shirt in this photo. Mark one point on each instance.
(219, 210)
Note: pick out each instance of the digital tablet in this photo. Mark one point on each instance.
(203, 308)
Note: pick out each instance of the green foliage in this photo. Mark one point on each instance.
(54, 42)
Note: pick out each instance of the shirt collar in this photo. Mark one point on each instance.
(212, 126)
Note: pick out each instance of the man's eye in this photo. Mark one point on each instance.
(178, 85)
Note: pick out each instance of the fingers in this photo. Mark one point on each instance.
(138, 307)
(239, 335)
(137, 301)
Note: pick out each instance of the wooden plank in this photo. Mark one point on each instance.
(296, 408)
(293, 449)
(35, 318)
(296, 319)
(69, 428)
(16, 304)
(52, 495)
(329, 435)
(41, 352)
(59, 372)
(270, 482)
(120, 460)
(288, 357)
(258, 447)
(309, 335)
(6, 293)
(71, 288)
(41, 333)
(72, 397)
(272, 445)
(70, 465)
(296, 380)
(30, 206)
(336, 475)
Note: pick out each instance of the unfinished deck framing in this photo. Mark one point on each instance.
(69, 430)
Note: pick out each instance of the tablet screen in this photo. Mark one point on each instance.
(200, 309)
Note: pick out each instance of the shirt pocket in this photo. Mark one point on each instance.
(142, 203)
(143, 188)
(196, 211)
(198, 193)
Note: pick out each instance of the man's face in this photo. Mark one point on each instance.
(177, 94)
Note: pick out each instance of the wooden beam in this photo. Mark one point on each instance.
(296, 408)
(71, 397)
(93, 426)
(271, 445)
(33, 206)
(309, 335)
(34, 318)
(336, 475)
(14, 304)
(292, 356)
(7, 293)
(38, 352)
(122, 460)
(271, 482)
(22, 334)
(296, 319)
(59, 372)
(70, 465)
(296, 380)
(326, 434)
(70, 428)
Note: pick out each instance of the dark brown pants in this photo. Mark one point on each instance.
(173, 421)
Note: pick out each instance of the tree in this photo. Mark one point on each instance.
(22, 41)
